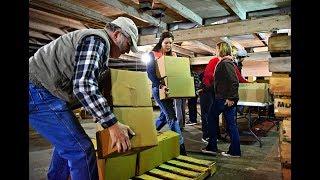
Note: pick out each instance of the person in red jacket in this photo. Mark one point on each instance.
(207, 95)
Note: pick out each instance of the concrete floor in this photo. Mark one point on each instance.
(255, 163)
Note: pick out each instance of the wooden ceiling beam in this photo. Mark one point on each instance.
(50, 37)
(235, 7)
(181, 50)
(72, 8)
(133, 12)
(264, 41)
(46, 28)
(265, 24)
(200, 60)
(55, 19)
(182, 10)
(38, 35)
(232, 42)
(132, 3)
(199, 45)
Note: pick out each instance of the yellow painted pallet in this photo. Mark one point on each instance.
(181, 168)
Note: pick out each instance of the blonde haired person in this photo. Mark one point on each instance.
(225, 85)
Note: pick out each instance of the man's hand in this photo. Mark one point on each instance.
(229, 102)
(120, 137)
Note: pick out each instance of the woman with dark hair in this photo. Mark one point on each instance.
(167, 111)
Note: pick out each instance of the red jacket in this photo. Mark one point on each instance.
(208, 72)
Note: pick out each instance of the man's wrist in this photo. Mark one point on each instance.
(109, 123)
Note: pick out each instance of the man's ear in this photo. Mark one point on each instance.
(116, 34)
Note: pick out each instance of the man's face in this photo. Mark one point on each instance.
(123, 43)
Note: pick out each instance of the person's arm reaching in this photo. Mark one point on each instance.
(89, 59)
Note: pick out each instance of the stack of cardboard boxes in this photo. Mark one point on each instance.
(280, 85)
(279, 46)
(130, 100)
(127, 92)
(175, 74)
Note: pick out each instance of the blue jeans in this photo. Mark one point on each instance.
(179, 105)
(73, 154)
(229, 113)
(167, 114)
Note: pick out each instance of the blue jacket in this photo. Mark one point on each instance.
(151, 71)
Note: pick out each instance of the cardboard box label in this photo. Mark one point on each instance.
(282, 107)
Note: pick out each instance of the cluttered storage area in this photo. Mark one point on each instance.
(158, 89)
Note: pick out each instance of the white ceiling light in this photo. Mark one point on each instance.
(145, 57)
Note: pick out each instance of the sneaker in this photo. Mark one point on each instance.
(189, 123)
(207, 151)
(205, 140)
(229, 155)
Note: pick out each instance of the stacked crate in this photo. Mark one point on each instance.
(280, 85)
(159, 162)
(128, 94)
(175, 74)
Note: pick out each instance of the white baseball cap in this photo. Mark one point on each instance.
(242, 53)
(128, 26)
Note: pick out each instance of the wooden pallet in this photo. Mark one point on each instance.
(181, 167)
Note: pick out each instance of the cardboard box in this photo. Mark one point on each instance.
(254, 92)
(179, 87)
(173, 66)
(167, 149)
(140, 120)
(120, 168)
(101, 163)
(282, 107)
(280, 85)
(279, 42)
(127, 88)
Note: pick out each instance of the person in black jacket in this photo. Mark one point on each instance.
(226, 86)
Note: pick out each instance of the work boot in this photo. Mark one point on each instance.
(183, 150)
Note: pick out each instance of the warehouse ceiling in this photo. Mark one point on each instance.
(197, 25)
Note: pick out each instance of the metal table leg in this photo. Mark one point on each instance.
(250, 126)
